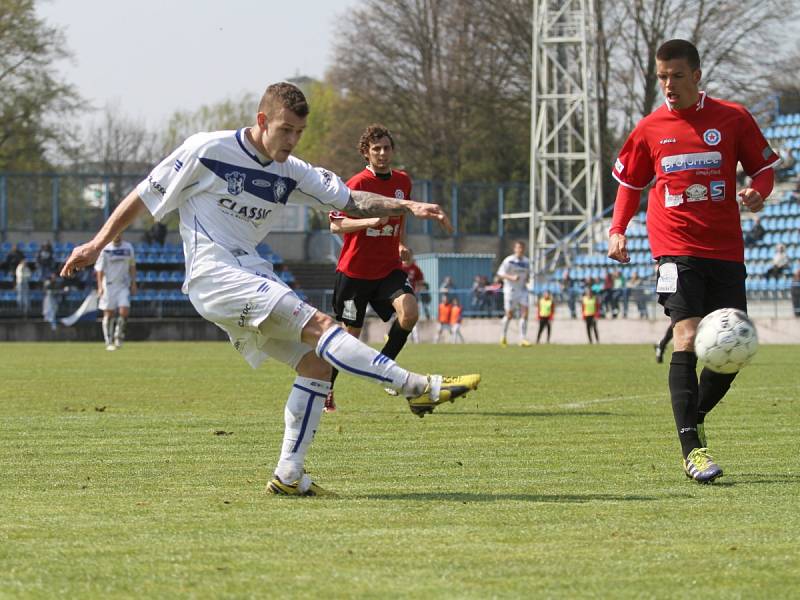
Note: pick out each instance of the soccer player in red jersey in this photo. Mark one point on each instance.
(369, 270)
(688, 150)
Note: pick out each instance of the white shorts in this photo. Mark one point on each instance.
(114, 297)
(240, 300)
(514, 299)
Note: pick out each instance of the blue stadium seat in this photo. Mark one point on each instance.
(163, 276)
(151, 276)
(176, 276)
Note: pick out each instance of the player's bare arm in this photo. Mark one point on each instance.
(345, 225)
(367, 204)
(618, 248)
(86, 254)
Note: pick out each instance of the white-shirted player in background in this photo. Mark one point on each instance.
(515, 271)
(116, 282)
(229, 187)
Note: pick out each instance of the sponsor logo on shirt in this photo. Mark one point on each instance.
(327, 177)
(243, 315)
(262, 183)
(619, 166)
(156, 186)
(399, 194)
(671, 199)
(696, 193)
(717, 190)
(712, 137)
(235, 181)
(691, 162)
(178, 165)
(668, 141)
(242, 211)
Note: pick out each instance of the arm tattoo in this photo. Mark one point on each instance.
(367, 204)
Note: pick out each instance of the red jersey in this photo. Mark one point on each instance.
(373, 253)
(414, 274)
(691, 156)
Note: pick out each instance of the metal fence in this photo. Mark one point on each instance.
(57, 202)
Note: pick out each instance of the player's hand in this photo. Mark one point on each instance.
(379, 221)
(405, 253)
(752, 199)
(433, 212)
(618, 248)
(82, 256)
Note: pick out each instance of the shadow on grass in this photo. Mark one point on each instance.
(755, 479)
(535, 413)
(466, 497)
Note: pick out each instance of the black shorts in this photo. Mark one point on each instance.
(351, 296)
(704, 285)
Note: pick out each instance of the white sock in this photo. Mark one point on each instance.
(523, 327)
(301, 417)
(119, 330)
(505, 326)
(352, 356)
(107, 329)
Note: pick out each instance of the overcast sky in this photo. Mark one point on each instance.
(153, 57)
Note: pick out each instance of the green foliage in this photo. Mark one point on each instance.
(140, 473)
(34, 102)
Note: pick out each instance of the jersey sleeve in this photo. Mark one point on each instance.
(173, 181)
(318, 188)
(503, 268)
(634, 166)
(755, 153)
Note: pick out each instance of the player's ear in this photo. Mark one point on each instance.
(697, 75)
(261, 120)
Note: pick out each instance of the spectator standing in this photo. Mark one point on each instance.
(455, 321)
(571, 291)
(13, 258)
(478, 293)
(425, 299)
(796, 292)
(45, 260)
(52, 298)
(591, 311)
(618, 293)
(546, 309)
(636, 293)
(157, 234)
(447, 285)
(23, 281)
(445, 308)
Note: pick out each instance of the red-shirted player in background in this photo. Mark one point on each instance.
(369, 269)
(689, 148)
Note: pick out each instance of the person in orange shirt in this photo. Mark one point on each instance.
(455, 321)
(591, 310)
(546, 308)
(445, 308)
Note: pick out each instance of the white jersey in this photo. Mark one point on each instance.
(512, 265)
(228, 197)
(115, 262)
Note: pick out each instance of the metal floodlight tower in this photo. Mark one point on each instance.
(565, 183)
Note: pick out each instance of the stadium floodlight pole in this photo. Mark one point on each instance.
(565, 193)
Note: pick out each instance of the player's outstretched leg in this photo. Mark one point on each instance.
(351, 356)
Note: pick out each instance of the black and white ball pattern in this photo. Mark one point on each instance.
(726, 340)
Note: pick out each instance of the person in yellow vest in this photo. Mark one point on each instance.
(591, 310)
(546, 309)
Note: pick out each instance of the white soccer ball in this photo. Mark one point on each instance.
(726, 340)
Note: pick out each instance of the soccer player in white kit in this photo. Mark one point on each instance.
(515, 271)
(229, 187)
(116, 283)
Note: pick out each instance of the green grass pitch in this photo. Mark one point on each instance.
(141, 473)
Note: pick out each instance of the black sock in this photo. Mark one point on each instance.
(334, 375)
(713, 387)
(397, 339)
(683, 389)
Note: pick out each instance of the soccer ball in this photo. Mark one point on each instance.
(726, 340)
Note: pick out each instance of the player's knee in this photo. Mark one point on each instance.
(313, 367)
(315, 327)
(683, 335)
(408, 316)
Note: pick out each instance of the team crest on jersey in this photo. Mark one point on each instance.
(696, 193)
(279, 189)
(235, 181)
(712, 137)
(399, 194)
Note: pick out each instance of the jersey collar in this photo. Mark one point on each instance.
(701, 102)
(248, 148)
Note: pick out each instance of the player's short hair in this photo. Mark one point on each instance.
(284, 95)
(677, 49)
(520, 242)
(371, 135)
